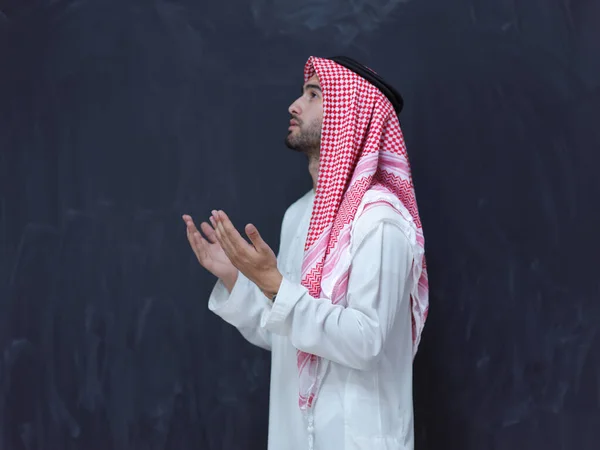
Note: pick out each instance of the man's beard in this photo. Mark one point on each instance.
(305, 140)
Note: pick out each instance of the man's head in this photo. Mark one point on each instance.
(304, 134)
(307, 111)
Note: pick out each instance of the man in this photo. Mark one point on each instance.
(343, 305)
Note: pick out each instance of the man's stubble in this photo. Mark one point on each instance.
(306, 139)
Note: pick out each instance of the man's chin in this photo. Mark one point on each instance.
(289, 143)
(294, 148)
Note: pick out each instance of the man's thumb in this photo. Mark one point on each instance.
(254, 236)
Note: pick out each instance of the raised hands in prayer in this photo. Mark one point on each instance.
(209, 252)
(256, 261)
(225, 251)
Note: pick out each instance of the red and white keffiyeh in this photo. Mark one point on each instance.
(362, 148)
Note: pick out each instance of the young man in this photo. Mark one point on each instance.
(343, 305)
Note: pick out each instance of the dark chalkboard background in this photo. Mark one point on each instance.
(118, 116)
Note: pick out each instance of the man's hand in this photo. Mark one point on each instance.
(257, 261)
(209, 252)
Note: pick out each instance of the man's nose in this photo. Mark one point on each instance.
(295, 109)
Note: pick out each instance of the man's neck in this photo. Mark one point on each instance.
(313, 169)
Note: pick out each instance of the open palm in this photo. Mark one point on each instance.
(208, 250)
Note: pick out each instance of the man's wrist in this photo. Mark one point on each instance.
(272, 285)
(229, 281)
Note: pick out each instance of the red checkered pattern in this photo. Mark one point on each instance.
(362, 149)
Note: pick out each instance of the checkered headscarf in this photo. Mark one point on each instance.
(362, 149)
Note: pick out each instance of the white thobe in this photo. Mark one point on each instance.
(365, 400)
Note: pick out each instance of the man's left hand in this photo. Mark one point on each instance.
(257, 261)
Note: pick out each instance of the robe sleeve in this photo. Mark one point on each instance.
(242, 308)
(246, 305)
(354, 335)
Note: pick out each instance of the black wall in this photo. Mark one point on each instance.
(118, 116)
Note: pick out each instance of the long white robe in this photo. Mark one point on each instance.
(365, 401)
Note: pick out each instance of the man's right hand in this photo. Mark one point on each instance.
(209, 252)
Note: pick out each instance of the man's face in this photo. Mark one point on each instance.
(304, 133)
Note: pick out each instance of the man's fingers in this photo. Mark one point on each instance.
(217, 230)
(255, 237)
(232, 242)
(209, 232)
(195, 239)
(196, 246)
(190, 231)
(230, 232)
(194, 236)
(221, 236)
(202, 250)
(191, 239)
(197, 242)
(189, 222)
